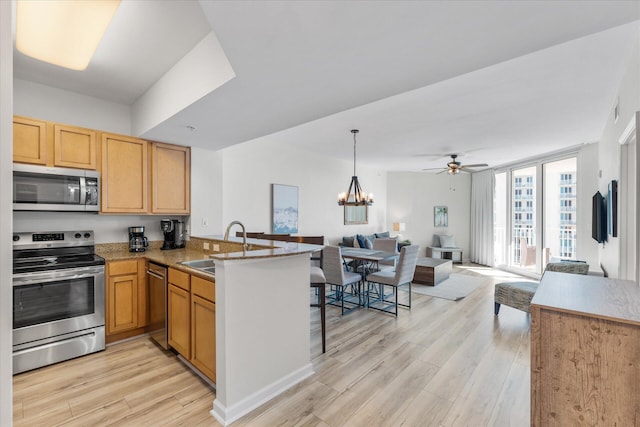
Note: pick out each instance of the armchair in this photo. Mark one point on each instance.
(519, 294)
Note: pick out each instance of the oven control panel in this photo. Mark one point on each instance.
(49, 239)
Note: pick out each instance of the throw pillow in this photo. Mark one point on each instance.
(368, 242)
(361, 241)
(384, 235)
(348, 241)
(447, 241)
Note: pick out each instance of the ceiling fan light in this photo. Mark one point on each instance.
(62, 32)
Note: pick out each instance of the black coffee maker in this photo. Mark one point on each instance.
(173, 230)
(137, 241)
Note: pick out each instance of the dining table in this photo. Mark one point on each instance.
(368, 259)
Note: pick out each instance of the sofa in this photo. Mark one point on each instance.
(362, 241)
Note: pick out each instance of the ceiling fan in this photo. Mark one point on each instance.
(454, 166)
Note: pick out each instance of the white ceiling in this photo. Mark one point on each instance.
(494, 81)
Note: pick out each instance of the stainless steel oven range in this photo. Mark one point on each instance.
(58, 298)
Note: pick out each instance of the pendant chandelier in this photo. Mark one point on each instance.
(355, 195)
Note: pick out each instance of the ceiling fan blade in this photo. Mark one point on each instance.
(477, 165)
(443, 171)
(467, 170)
(434, 169)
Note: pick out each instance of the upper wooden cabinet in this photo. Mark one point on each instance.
(137, 176)
(170, 179)
(45, 143)
(75, 147)
(124, 174)
(29, 141)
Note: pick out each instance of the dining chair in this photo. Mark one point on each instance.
(386, 245)
(345, 285)
(402, 275)
(318, 281)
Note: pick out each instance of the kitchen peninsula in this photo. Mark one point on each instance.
(261, 315)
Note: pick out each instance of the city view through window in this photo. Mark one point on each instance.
(516, 241)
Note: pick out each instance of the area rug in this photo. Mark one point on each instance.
(455, 288)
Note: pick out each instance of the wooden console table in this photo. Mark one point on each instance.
(454, 254)
(431, 271)
(585, 347)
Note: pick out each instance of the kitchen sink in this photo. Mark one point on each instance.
(207, 265)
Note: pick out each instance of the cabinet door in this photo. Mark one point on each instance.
(75, 147)
(170, 179)
(179, 320)
(203, 336)
(122, 303)
(124, 174)
(29, 141)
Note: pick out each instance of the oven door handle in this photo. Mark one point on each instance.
(56, 275)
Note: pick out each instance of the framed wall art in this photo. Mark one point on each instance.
(440, 216)
(284, 202)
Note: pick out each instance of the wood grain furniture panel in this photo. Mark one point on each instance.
(122, 298)
(170, 179)
(29, 141)
(75, 147)
(585, 351)
(124, 170)
(203, 334)
(126, 299)
(179, 320)
(431, 271)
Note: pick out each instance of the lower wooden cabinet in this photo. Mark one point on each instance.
(126, 296)
(192, 320)
(179, 320)
(203, 331)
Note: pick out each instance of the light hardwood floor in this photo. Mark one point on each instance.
(442, 363)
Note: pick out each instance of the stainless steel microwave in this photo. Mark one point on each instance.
(41, 188)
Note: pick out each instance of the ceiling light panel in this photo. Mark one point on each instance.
(62, 32)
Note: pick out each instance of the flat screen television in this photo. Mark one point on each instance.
(599, 218)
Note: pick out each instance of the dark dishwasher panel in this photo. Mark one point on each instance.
(157, 292)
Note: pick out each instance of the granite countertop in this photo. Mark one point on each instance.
(173, 257)
(269, 248)
(170, 258)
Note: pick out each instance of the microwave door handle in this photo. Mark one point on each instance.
(83, 191)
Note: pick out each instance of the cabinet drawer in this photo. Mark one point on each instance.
(123, 267)
(179, 278)
(204, 288)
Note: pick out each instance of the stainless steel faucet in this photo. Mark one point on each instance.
(244, 234)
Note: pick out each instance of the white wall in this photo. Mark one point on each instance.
(6, 159)
(251, 168)
(57, 105)
(107, 228)
(411, 197)
(206, 192)
(609, 148)
(587, 185)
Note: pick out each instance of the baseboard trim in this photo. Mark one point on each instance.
(226, 415)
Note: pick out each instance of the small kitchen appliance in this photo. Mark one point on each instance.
(58, 298)
(137, 241)
(173, 230)
(43, 188)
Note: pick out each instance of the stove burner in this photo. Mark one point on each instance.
(53, 251)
